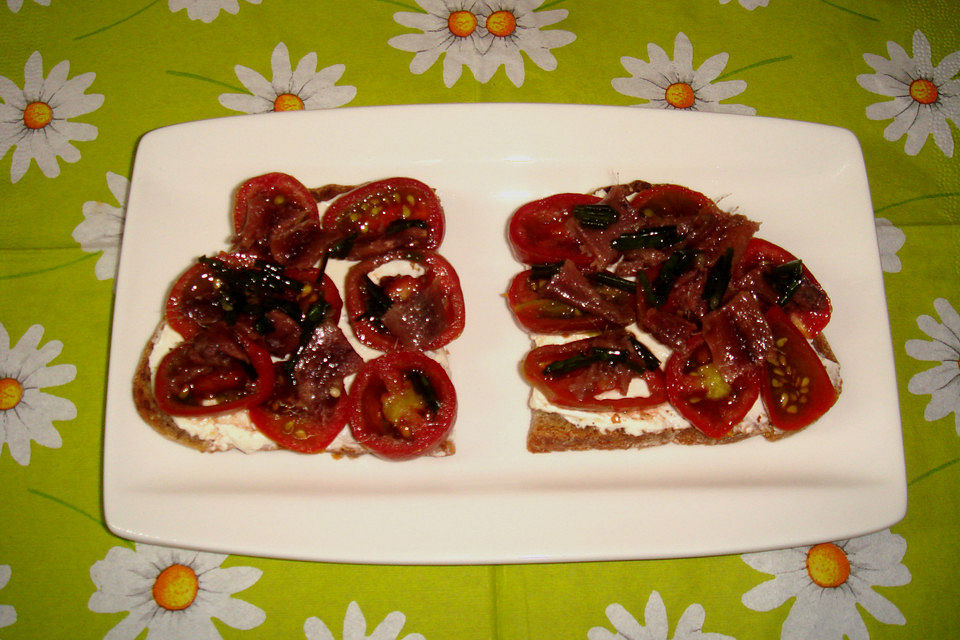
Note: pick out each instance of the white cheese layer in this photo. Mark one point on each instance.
(656, 419)
(235, 429)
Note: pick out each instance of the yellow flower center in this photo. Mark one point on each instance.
(924, 91)
(37, 115)
(176, 587)
(10, 393)
(501, 23)
(828, 565)
(287, 102)
(462, 23)
(680, 95)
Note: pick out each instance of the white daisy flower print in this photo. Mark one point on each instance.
(102, 227)
(675, 84)
(15, 5)
(36, 120)
(829, 581)
(26, 412)
(942, 382)
(290, 89)
(890, 240)
(8, 615)
(925, 97)
(206, 10)
(749, 5)
(515, 27)
(655, 627)
(454, 29)
(355, 627)
(173, 593)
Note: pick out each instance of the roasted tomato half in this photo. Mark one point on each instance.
(796, 388)
(404, 300)
(276, 217)
(403, 405)
(540, 312)
(576, 374)
(780, 279)
(545, 230)
(273, 304)
(385, 215)
(670, 201)
(213, 371)
(701, 395)
(296, 425)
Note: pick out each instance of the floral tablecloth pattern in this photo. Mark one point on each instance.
(81, 81)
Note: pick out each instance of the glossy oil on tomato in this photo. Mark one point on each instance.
(542, 231)
(389, 414)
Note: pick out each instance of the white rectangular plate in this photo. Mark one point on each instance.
(494, 502)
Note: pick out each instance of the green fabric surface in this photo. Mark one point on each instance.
(155, 64)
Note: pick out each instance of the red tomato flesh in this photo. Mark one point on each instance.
(797, 389)
(403, 405)
(385, 215)
(543, 230)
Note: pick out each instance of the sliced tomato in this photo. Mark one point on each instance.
(213, 371)
(276, 217)
(385, 215)
(542, 314)
(543, 230)
(403, 405)
(404, 311)
(292, 425)
(574, 374)
(701, 395)
(808, 306)
(796, 389)
(271, 302)
(670, 201)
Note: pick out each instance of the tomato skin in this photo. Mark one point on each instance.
(300, 430)
(714, 417)
(671, 200)
(373, 333)
(276, 217)
(793, 362)
(382, 381)
(559, 389)
(544, 315)
(809, 308)
(539, 231)
(365, 214)
(228, 383)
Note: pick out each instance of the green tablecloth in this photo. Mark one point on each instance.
(80, 82)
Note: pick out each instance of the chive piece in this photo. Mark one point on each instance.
(591, 356)
(674, 267)
(650, 361)
(614, 281)
(424, 388)
(377, 299)
(544, 270)
(317, 312)
(786, 279)
(647, 238)
(262, 325)
(341, 247)
(595, 216)
(718, 279)
(402, 224)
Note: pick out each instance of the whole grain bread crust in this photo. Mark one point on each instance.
(146, 404)
(551, 432)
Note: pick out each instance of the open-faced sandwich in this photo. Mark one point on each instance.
(312, 332)
(656, 317)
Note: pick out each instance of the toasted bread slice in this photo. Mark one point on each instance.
(552, 432)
